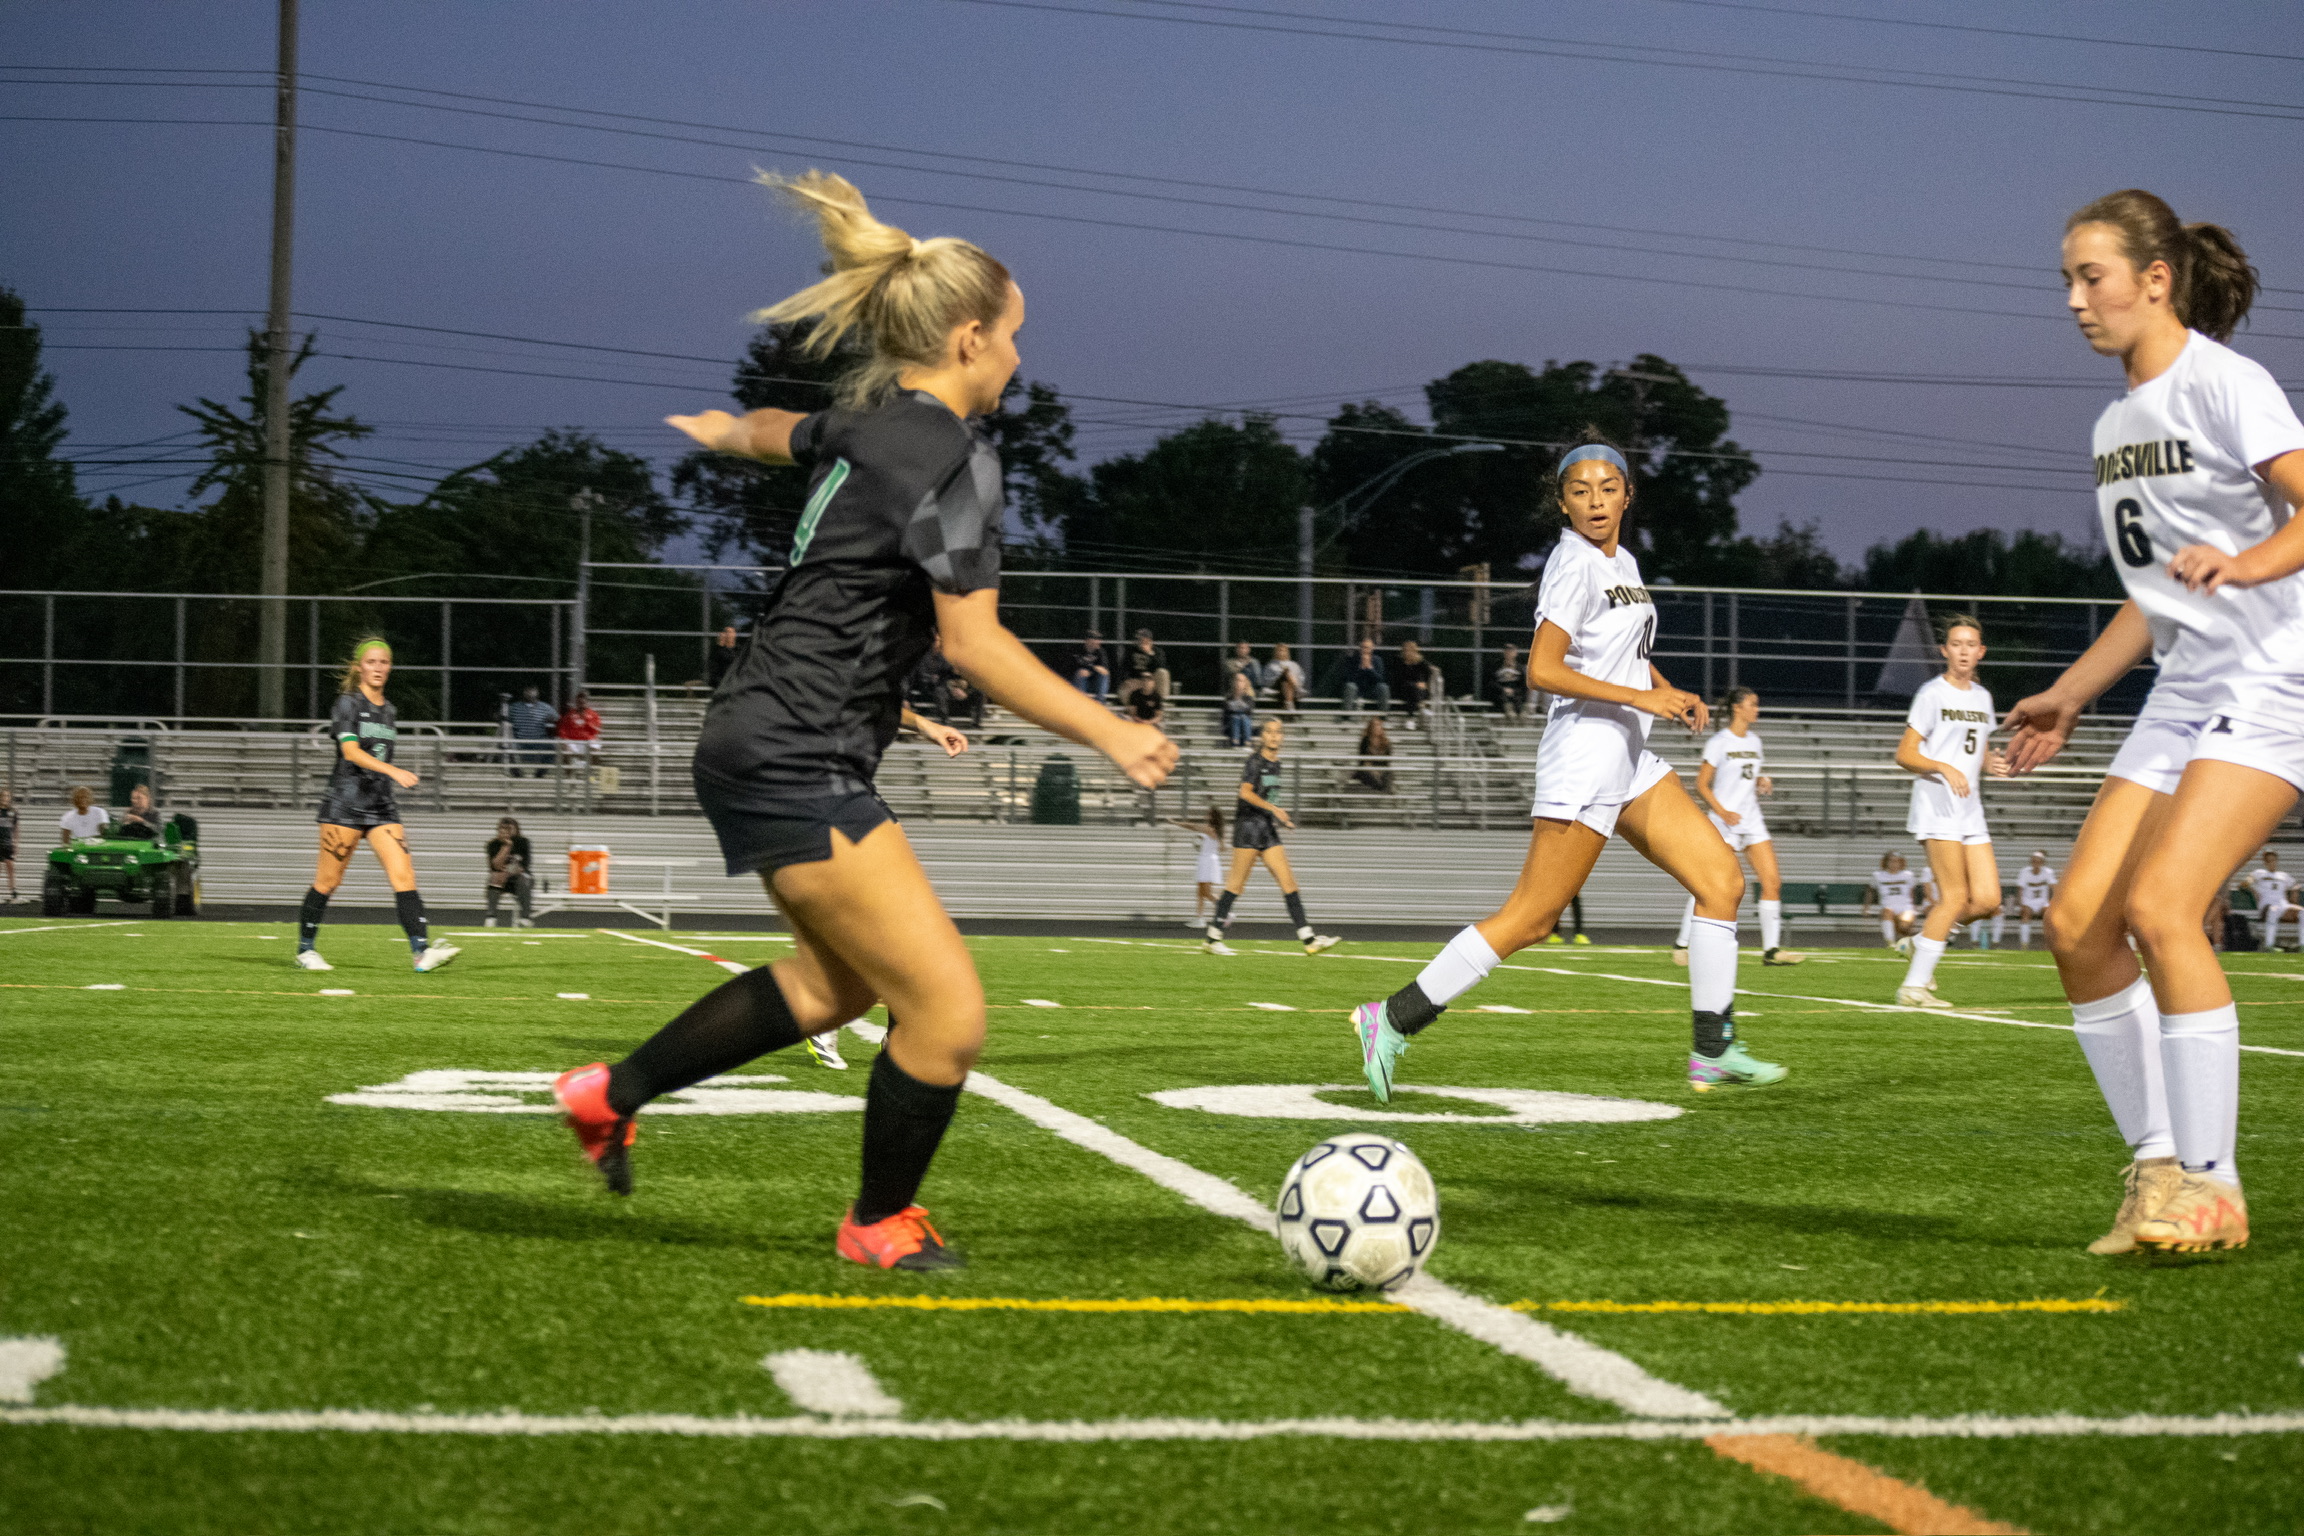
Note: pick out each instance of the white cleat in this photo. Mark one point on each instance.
(1903, 947)
(825, 1050)
(436, 956)
(1321, 941)
(1919, 997)
(309, 960)
(1218, 947)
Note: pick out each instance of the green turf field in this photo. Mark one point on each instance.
(212, 1241)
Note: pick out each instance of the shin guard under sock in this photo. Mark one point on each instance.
(410, 905)
(1771, 926)
(1223, 917)
(1712, 957)
(904, 1122)
(1295, 900)
(741, 1019)
(2200, 1060)
(1687, 916)
(308, 920)
(2120, 1036)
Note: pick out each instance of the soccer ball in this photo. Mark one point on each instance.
(1359, 1212)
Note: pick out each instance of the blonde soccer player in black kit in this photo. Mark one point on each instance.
(898, 544)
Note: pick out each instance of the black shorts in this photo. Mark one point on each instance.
(1255, 831)
(797, 831)
(7, 848)
(362, 813)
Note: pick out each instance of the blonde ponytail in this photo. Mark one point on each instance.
(899, 296)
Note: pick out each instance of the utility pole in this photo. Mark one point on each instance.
(272, 619)
(583, 501)
(1304, 588)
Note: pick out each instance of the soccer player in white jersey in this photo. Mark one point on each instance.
(1946, 747)
(2035, 886)
(1898, 892)
(1595, 627)
(2198, 467)
(2273, 887)
(1730, 782)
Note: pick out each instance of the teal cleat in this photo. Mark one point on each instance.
(1732, 1068)
(1380, 1047)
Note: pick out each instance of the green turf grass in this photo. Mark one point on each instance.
(202, 1229)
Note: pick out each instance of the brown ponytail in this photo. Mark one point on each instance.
(2214, 282)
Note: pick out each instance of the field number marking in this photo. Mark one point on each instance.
(831, 1382)
(530, 1093)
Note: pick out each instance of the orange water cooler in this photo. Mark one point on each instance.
(588, 871)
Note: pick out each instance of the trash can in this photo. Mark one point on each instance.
(1056, 794)
(131, 766)
(588, 871)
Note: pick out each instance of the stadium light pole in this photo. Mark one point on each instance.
(583, 502)
(272, 616)
(1373, 487)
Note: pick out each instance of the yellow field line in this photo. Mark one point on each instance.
(1317, 1305)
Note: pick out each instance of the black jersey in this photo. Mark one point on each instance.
(904, 501)
(373, 728)
(1264, 774)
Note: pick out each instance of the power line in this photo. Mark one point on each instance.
(1948, 26)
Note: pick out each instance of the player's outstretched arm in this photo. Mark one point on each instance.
(765, 435)
(2205, 568)
(2041, 724)
(988, 655)
(953, 742)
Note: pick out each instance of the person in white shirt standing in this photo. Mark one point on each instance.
(1947, 748)
(1730, 782)
(2198, 467)
(2273, 887)
(1898, 892)
(1595, 628)
(85, 819)
(2035, 886)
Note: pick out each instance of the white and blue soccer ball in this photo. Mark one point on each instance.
(1359, 1212)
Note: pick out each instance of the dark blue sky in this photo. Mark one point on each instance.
(1783, 147)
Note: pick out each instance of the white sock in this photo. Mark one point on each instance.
(1999, 929)
(2200, 1053)
(1456, 970)
(1887, 930)
(1711, 965)
(2120, 1036)
(1771, 923)
(1925, 953)
(1688, 915)
(2024, 932)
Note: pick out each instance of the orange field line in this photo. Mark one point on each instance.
(1906, 1508)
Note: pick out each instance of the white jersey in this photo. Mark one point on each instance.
(1737, 763)
(2272, 887)
(2035, 886)
(2175, 465)
(1954, 725)
(1611, 623)
(1895, 888)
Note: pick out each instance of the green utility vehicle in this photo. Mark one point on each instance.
(164, 871)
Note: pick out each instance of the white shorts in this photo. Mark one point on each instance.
(1589, 770)
(2157, 750)
(1751, 828)
(1939, 816)
(2276, 752)
(2155, 753)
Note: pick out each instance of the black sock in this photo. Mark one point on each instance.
(411, 906)
(1576, 910)
(1295, 900)
(1715, 1032)
(308, 920)
(904, 1121)
(1410, 1010)
(1223, 915)
(742, 1018)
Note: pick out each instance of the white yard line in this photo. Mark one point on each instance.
(510, 1425)
(733, 967)
(125, 922)
(1580, 1365)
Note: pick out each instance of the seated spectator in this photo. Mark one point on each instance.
(1241, 660)
(1143, 666)
(142, 819)
(924, 689)
(1240, 709)
(1364, 684)
(579, 728)
(509, 860)
(1283, 679)
(1148, 707)
(1375, 772)
(85, 819)
(958, 703)
(531, 720)
(723, 656)
(10, 821)
(1510, 681)
(1419, 683)
(1091, 668)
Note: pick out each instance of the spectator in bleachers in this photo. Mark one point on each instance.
(723, 656)
(578, 729)
(11, 821)
(1283, 678)
(1419, 683)
(532, 720)
(509, 860)
(1375, 770)
(1147, 707)
(1240, 708)
(958, 702)
(1091, 668)
(1364, 684)
(1143, 666)
(85, 819)
(1510, 681)
(1242, 660)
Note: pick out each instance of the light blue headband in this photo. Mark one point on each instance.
(1593, 451)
